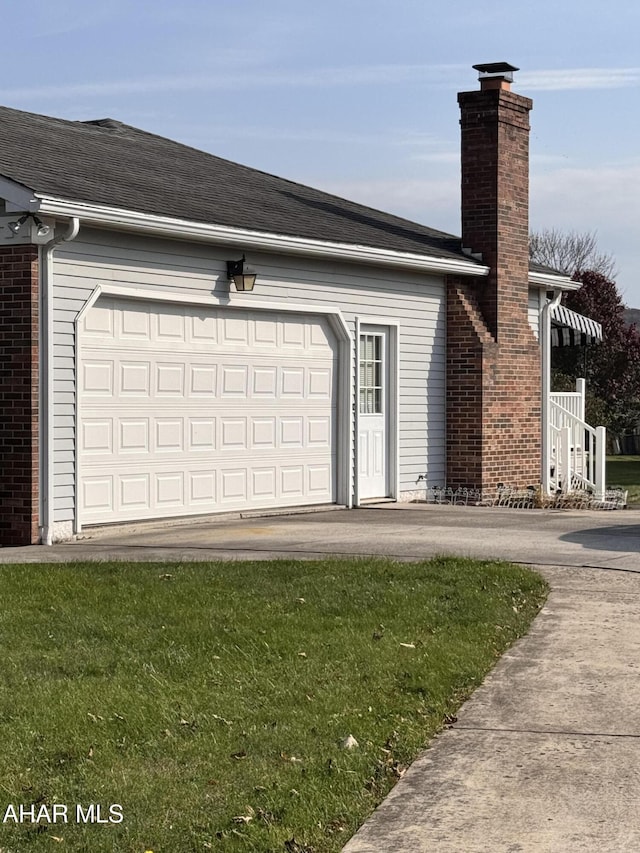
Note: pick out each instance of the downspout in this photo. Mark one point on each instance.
(545, 334)
(47, 414)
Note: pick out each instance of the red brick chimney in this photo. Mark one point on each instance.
(493, 358)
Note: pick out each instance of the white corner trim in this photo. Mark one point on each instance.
(91, 301)
(93, 214)
(355, 418)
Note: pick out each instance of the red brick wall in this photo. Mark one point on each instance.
(493, 358)
(19, 396)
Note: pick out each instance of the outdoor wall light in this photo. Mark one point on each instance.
(243, 276)
(43, 229)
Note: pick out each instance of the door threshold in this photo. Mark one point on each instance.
(365, 501)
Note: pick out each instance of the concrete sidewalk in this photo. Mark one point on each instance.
(546, 754)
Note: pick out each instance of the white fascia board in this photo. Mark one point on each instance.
(18, 198)
(553, 282)
(184, 229)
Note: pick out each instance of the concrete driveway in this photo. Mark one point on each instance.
(545, 756)
(404, 531)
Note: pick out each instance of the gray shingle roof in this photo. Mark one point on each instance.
(109, 163)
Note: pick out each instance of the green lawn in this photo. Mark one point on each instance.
(207, 703)
(624, 471)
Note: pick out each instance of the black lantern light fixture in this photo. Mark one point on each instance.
(15, 227)
(242, 275)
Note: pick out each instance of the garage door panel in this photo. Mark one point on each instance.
(169, 380)
(319, 479)
(134, 492)
(187, 410)
(97, 495)
(202, 488)
(202, 434)
(96, 436)
(133, 436)
(162, 491)
(97, 377)
(117, 440)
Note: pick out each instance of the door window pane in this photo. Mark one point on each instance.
(371, 373)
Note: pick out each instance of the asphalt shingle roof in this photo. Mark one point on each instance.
(109, 163)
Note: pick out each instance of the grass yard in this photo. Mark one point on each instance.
(207, 704)
(624, 471)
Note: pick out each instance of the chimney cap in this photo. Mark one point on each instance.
(501, 70)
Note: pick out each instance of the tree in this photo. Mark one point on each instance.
(612, 367)
(570, 252)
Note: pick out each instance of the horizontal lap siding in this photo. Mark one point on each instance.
(415, 301)
(534, 307)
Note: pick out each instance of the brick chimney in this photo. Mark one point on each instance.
(493, 358)
(495, 191)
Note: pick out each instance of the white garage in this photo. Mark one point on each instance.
(187, 409)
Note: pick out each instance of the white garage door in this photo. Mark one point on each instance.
(187, 410)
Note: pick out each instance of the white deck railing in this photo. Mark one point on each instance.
(577, 450)
(574, 401)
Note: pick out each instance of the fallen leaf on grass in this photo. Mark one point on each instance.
(398, 770)
(244, 818)
(408, 645)
(293, 846)
(239, 755)
(222, 720)
(349, 742)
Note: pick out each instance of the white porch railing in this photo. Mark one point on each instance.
(577, 450)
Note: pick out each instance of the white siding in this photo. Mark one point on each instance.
(536, 301)
(414, 300)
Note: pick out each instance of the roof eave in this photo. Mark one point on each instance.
(131, 220)
(17, 196)
(553, 281)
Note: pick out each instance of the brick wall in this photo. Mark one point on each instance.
(19, 396)
(493, 358)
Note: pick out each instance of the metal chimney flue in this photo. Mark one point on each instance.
(495, 75)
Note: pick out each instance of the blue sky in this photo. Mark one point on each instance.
(357, 97)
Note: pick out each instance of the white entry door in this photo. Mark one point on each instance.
(373, 402)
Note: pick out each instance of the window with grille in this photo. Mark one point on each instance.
(371, 373)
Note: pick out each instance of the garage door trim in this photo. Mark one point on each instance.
(344, 425)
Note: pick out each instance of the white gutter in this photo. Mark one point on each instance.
(545, 330)
(166, 226)
(47, 412)
(553, 282)
(182, 228)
